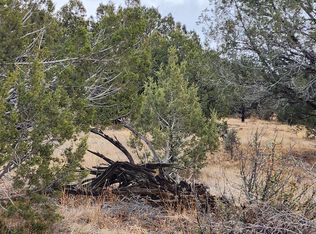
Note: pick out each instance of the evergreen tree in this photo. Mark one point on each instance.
(61, 73)
(279, 38)
(171, 113)
(40, 108)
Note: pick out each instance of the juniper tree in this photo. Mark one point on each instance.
(41, 107)
(279, 38)
(171, 114)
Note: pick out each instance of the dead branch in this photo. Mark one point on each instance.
(102, 156)
(115, 142)
(143, 181)
(142, 137)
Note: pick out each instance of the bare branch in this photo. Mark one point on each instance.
(116, 143)
(142, 137)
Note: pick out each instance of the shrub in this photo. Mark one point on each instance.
(274, 201)
(231, 142)
(171, 114)
(268, 177)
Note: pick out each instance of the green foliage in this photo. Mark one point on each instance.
(61, 73)
(171, 113)
(231, 142)
(37, 122)
(42, 104)
(144, 38)
(34, 214)
(278, 37)
(290, 114)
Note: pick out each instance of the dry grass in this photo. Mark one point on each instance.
(291, 137)
(111, 215)
(98, 144)
(85, 215)
(222, 175)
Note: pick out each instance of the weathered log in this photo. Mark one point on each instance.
(144, 181)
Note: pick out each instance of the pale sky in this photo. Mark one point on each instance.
(185, 11)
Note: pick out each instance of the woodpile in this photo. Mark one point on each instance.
(147, 181)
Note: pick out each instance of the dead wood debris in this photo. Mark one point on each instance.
(147, 181)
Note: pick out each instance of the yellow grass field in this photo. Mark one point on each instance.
(291, 138)
(221, 175)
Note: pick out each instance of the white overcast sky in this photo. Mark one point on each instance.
(185, 11)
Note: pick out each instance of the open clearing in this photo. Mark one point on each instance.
(291, 138)
(221, 175)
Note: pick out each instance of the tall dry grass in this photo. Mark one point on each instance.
(115, 215)
(222, 175)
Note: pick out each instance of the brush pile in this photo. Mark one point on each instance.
(148, 181)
